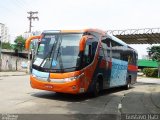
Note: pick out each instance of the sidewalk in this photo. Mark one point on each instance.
(15, 73)
(148, 80)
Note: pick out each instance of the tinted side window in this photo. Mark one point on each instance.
(116, 50)
(89, 51)
(106, 48)
(130, 59)
(129, 56)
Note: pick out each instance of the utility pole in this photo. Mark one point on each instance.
(32, 17)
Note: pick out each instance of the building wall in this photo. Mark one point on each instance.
(4, 33)
(13, 63)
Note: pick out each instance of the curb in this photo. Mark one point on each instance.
(13, 75)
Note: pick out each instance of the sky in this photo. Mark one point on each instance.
(81, 14)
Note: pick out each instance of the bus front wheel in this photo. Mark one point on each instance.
(96, 89)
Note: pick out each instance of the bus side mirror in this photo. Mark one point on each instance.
(28, 41)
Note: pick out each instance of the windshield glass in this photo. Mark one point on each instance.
(58, 51)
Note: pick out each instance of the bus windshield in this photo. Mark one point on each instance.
(58, 52)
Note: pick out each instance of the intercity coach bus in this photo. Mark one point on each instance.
(81, 61)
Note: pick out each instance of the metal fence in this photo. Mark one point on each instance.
(134, 31)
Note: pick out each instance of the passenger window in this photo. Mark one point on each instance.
(106, 48)
(86, 51)
(89, 52)
(130, 59)
(116, 50)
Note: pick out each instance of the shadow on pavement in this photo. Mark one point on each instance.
(74, 98)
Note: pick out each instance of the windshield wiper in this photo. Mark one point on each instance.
(59, 55)
(49, 52)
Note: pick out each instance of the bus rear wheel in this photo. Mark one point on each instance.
(128, 85)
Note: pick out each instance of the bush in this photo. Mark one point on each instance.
(150, 72)
(6, 46)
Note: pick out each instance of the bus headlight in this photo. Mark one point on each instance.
(66, 79)
(39, 78)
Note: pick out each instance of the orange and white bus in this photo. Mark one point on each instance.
(80, 61)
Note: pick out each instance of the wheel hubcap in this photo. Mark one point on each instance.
(128, 85)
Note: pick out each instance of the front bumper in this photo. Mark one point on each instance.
(72, 87)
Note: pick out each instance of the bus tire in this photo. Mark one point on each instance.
(96, 90)
(128, 85)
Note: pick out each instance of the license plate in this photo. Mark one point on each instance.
(48, 86)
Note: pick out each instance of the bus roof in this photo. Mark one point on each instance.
(120, 42)
(75, 31)
(117, 40)
(103, 33)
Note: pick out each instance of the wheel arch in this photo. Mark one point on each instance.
(100, 79)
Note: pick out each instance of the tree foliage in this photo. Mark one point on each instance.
(19, 43)
(150, 72)
(6, 46)
(154, 53)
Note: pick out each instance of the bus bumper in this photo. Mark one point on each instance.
(72, 87)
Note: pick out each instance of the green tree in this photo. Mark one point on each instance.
(154, 53)
(19, 43)
(6, 46)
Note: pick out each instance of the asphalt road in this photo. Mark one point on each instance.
(17, 97)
